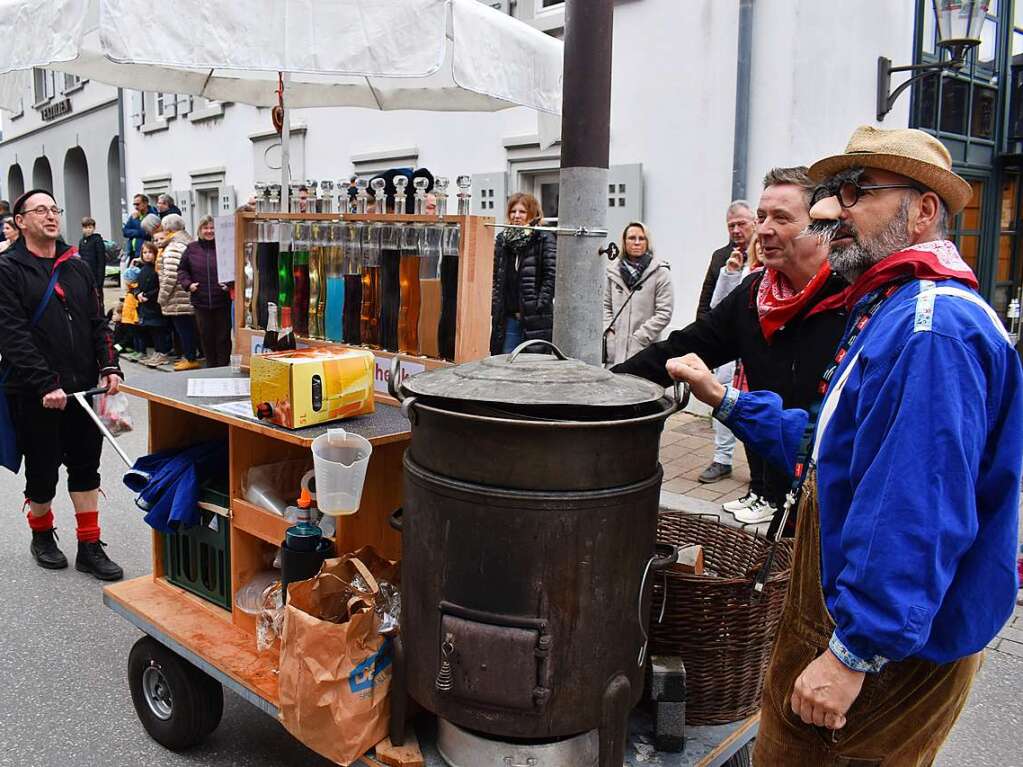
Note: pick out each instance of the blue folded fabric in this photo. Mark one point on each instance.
(170, 498)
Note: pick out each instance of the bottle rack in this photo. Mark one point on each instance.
(472, 304)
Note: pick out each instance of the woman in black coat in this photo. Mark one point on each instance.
(525, 264)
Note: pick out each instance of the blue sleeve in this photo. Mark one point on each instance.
(760, 421)
(132, 228)
(920, 429)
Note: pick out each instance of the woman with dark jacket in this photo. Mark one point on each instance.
(525, 263)
(197, 273)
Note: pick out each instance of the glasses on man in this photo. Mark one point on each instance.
(42, 210)
(850, 192)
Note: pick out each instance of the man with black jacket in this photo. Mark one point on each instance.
(769, 321)
(93, 251)
(69, 349)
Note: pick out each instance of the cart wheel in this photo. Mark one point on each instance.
(742, 757)
(178, 704)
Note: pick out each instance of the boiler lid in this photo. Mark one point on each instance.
(534, 379)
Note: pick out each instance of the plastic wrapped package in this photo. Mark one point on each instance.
(113, 411)
(270, 621)
(271, 485)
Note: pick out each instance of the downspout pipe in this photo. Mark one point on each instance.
(743, 69)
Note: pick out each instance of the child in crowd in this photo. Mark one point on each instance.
(152, 323)
(130, 313)
(93, 251)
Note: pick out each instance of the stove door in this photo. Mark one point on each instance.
(495, 664)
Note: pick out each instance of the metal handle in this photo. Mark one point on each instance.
(682, 393)
(88, 393)
(531, 761)
(395, 519)
(392, 386)
(669, 556)
(526, 344)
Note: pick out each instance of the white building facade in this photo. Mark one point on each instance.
(65, 139)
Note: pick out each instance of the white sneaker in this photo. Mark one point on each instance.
(741, 504)
(761, 511)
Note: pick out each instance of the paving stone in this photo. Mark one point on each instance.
(679, 485)
(704, 493)
(1015, 634)
(993, 644)
(1011, 648)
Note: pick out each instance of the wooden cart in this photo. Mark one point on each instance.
(193, 647)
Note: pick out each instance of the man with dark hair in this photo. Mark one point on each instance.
(907, 473)
(5, 208)
(55, 342)
(772, 322)
(133, 232)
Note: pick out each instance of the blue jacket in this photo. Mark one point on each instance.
(171, 496)
(919, 449)
(135, 235)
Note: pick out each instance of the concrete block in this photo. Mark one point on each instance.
(668, 692)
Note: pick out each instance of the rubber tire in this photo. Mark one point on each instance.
(197, 699)
(741, 758)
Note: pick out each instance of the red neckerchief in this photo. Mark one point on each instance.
(777, 302)
(936, 260)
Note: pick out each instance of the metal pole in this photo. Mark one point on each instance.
(743, 68)
(586, 139)
(285, 147)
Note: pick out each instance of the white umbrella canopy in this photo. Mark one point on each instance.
(444, 55)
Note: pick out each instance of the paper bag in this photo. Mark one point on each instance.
(335, 677)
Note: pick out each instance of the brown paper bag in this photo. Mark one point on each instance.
(335, 678)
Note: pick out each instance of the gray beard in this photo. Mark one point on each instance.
(854, 259)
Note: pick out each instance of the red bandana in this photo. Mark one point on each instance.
(935, 260)
(777, 302)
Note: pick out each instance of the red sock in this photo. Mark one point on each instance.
(40, 524)
(88, 526)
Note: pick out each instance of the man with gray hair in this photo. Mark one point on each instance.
(741, 224)
(165, 206)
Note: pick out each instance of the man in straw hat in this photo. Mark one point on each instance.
(907, 473)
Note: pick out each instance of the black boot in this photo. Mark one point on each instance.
(92, 559)
(44, 549)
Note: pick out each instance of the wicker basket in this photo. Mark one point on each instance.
(722, 636)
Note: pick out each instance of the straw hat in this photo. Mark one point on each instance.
(906, 151)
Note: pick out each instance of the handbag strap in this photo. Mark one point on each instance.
(38, 313)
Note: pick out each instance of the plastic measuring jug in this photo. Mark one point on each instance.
(340, 460)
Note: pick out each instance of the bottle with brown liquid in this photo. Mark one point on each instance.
(271, 334)
(448, 290)
(430, 290)
(351, 246)
(408, 289)
(370, 315)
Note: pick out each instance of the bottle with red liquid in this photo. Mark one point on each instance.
(300, 280)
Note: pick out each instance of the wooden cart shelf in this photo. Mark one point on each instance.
(200, 632)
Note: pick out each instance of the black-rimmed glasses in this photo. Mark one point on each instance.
(850, 192)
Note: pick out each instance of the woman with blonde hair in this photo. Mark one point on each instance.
(525, 263)
(174, 298)
(638, 297)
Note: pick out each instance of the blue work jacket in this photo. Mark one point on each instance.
(918, 451)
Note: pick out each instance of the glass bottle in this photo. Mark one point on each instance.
(361, 197)
(421, 183)
(286, 337)
(333, 314)
(285, 273)
(326, 196)
(317, 284)
(344, 203)
(379, 198)
(369, 236)
(260, 194)
(408, 289)
(440, 188)
(351, 266)
(464, 194)
(390, 285)
(300, 280)
(271, 334)
(249, 271)
(274, 205)
(449, 260)
(400, 195)
(265, 287)
(430, 289)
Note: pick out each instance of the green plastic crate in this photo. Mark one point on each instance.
(199, 559)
